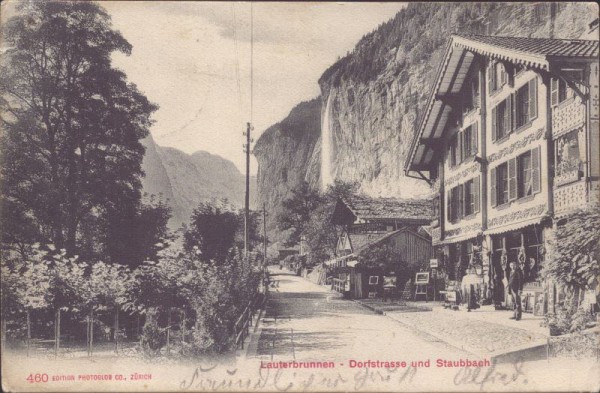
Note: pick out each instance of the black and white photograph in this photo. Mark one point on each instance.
(299, 196)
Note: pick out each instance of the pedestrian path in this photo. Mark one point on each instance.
(485, 331)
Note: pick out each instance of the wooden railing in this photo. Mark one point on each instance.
(246, 319)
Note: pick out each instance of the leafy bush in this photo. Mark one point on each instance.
(153, 337)
(568, 320)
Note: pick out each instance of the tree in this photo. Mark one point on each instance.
(213, 229)
(297, 210)
(320, 233)
(141, 235)
(576, 252)
(70, 150)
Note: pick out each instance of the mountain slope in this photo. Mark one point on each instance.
(373, 97)
(185, 180)
(287, 154)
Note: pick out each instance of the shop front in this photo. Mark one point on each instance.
(479, 268)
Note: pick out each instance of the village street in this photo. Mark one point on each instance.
(305, 321)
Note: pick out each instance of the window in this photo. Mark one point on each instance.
(526, 104)
(466, 143)
(454, 203)
(525, 185)
(501, 183)
(373, 280)
(463, 200)
(560, 91)
(497, 76)
(454, 150)
(469, 141)
(471, 95)
(568, 158)
(516, 178)
(469, 198)
(463, 145)
(502, 119)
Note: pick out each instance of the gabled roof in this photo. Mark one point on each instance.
(363, 241)
(409, 210)
(532, 52)
(537, 53)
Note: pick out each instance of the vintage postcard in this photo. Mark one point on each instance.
(299, 196)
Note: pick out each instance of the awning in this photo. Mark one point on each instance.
(515, 226)
(457, 239)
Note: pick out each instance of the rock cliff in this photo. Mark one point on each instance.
(372, 98)
(287, 154)
(185, 180)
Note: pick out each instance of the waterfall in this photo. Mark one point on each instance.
(326, 146)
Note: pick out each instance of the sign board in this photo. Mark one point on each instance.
(422, 278)
(433, 263)
(451, 296)
(389, 281)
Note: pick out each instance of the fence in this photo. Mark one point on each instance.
(246, 319)
(338, 285)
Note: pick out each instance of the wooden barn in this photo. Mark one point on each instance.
(374, 229)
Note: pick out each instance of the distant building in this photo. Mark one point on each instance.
(374, 223)
(286, 252)
(510, 142)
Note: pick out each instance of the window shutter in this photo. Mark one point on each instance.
(449, 207)
(595, 152)
(475, 89)
(491, 72)
(461, 201)
(533, 99)
(512, 179)
(476, 204)
(474, 139)
(513, 99)
(494, 134)
(535, 170)
(502, 75)
(554, 91)
(509, 110)
(440, 205)
(493, 186)
(459, 147)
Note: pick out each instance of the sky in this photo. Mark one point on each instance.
(193, 60)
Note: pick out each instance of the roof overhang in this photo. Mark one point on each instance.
(449, 83)
(451, 75)
(498, 53)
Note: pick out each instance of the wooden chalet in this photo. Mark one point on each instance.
(375, 223)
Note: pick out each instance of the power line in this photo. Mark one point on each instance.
(249, 140)
(237, 62)
(251, 62)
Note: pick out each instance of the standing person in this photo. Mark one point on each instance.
(515, 286)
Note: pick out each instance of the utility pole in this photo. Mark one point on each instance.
(265, 234)
(248, 139)
(247, 199)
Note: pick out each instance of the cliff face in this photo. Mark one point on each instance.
(185, 180)
(287, 154)
(373, 97)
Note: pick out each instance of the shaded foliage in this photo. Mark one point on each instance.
(576, 251)
(71, 156)
(296, 211)
(216, 227)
